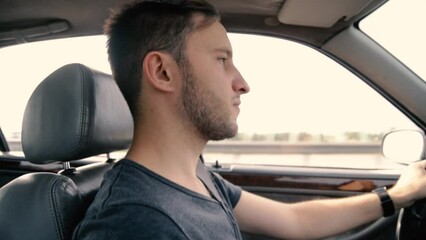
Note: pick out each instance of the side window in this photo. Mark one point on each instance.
(304, 109)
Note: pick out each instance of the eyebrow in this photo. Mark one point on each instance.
(227, 51)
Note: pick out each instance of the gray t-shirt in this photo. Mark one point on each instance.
(136, 203)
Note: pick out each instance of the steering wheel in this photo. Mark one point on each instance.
(412, 222)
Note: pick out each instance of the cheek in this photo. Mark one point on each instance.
(210, 65)
(212, 76)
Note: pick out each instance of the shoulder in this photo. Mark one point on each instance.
(126, 183)
(130, 222)
(230, 192)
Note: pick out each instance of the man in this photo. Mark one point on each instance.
(173, 62)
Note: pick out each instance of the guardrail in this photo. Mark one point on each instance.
(15, 145)
(276, 148)
(292, 148)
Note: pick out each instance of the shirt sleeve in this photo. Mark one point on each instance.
(230, 192)
(129, 222)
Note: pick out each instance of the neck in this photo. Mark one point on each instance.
(168, 150)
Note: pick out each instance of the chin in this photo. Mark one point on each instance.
(225, 132)
(234, 130)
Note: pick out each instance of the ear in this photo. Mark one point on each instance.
(160, 70)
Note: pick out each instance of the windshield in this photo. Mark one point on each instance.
(399, 27)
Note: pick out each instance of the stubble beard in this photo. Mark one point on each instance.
(205, 110)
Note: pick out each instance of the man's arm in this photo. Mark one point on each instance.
(321, 218)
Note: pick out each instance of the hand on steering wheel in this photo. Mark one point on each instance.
(411, 187)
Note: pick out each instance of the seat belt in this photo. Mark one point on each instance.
(204, 174)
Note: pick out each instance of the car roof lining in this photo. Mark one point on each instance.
(87, 18)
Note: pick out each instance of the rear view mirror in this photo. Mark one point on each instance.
(404, 146)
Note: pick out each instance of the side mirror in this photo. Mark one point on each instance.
(404, 146)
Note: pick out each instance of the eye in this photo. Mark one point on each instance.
(222, 59)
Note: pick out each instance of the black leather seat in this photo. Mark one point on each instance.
(76, 112)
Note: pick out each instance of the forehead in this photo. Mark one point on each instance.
(211, 38)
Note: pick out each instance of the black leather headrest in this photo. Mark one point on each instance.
(76, 112)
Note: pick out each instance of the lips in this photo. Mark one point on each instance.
(236, 102)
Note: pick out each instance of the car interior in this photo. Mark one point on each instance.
(77, 118)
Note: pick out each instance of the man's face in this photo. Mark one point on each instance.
(211, 84)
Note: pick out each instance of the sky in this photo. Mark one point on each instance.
(288, 81)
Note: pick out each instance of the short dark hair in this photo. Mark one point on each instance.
(150, 25)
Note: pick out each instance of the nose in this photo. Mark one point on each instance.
(240, 85)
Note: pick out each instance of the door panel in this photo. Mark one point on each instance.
(294, 184)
